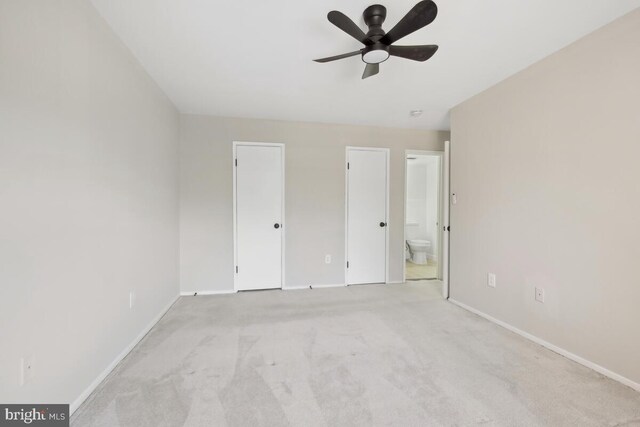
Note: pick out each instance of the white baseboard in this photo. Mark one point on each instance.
(395, 282)
(337, 285)
(286, 288)
(600, 369)
(87, 392)
(193, 293)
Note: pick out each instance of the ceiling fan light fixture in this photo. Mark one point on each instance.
(375, 55)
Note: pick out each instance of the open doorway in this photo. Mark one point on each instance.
(423, 215)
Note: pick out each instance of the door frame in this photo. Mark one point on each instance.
(387, 152)
(283, 224)
(441, 213)
(446, 220)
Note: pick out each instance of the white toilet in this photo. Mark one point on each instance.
(419, 250)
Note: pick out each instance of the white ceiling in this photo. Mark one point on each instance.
(253, 58)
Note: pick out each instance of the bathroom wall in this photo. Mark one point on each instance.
(416, 217)
(432, 205)
(315, 195)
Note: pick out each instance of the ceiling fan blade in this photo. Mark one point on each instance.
(419, 16)
(334, 58)
(343, 22)
(415, 53)
(370, 70)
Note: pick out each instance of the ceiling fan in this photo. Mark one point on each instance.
(378, 44)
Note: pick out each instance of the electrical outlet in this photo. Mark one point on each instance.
(27, 370)
(540, 295)
(327, 259)
(491, 280)
(132, 299)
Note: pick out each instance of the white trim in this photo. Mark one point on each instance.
(337, 285)
(288, 288)
(445, 255)
(395, 282)
(73, 407)
(346, 215)
(216, 292)
(600, 369)
(387, 152)
(283, 225)
(388, 227)
(441, 213)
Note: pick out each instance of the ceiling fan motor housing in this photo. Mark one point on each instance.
(375, 52)
(374, 17)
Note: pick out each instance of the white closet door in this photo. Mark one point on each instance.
(366, 216)
(259, 229)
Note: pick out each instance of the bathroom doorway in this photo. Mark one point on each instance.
(423, 215)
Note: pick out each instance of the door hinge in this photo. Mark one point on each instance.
(347, 165)
(236, 269)
(236, 162)
(347, 264)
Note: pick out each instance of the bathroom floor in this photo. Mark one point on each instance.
(425, 271)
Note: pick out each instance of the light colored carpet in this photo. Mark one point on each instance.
(358, 356)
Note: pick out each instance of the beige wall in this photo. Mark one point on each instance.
(545, 167)
(315, 192)
(88, 191)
